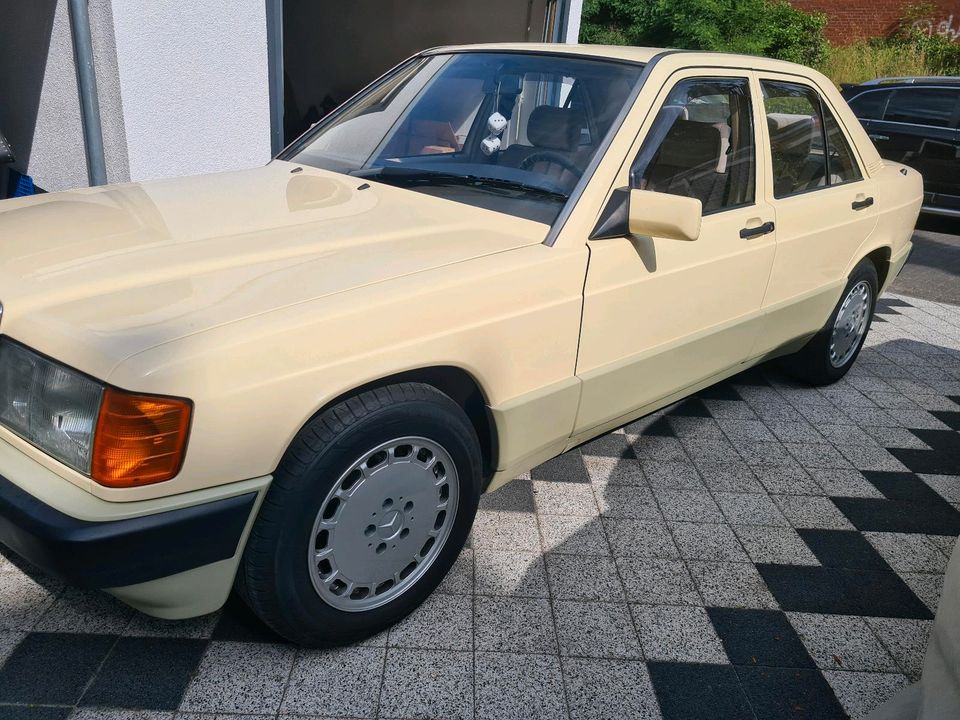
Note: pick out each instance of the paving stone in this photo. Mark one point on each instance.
(707, 541)
(688, 505)
(643, 538)
(774, 545)
(427, 684)
(576, 577)
(929, 588)
(841, 642)
(672, 475)
(811, 512)
(559, 498)
(627, 502)
(85, 611)
(908, 552)
(750, 509)
(947, 486)
(609, 689)
(570, 535)
(734, 477)
(343, 681)
(792, 480)
(514, 625)
(724, 584)
(651, 448)
(905, 639)
(515, 496)
(601, 630)
(442, 622)
(837, 482)
(505, 531)
(239, 678)
(568, 467)
(23, 600)
(679, 634)
(459, 581)
(656, 581)
(510, 685)
(817, 455)
(505, 572)
(860, 693)
(9, 639)
(613, 471)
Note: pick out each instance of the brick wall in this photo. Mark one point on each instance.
(852, 20)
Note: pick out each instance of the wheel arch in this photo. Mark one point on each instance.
(456, 383)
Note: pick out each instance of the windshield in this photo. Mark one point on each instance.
(511, 132)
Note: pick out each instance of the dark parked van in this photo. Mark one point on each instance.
(914, 121)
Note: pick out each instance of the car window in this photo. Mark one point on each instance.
(509, 132)
(922, 106)
(795, 125)
(870, 105)
(701, 145)
(841, 165)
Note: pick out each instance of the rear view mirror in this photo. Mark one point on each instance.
(661, 215)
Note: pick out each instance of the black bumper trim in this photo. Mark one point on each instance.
(116, 553)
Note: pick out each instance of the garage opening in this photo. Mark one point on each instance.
(331, 49)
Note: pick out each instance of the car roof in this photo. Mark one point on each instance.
(907, 81)
(626, 53)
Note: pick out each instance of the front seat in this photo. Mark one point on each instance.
(552, 129)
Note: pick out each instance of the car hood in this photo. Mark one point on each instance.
(96, 275)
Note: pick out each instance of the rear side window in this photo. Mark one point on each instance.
(840, 163)
(796, 137)
(870, 105)
(807, 147)
(701, 145)
(922, 106)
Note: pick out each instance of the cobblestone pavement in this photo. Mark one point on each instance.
(762, 550)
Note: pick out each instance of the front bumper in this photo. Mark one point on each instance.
(117, 553)
(171, 557)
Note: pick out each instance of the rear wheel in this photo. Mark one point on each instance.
(831, 353)
(368, 511)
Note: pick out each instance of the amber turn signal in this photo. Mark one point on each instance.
(140, 439)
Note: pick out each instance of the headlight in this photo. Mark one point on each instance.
(118, 439)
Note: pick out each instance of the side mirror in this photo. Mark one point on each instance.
(662, 215)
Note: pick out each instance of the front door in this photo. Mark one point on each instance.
(661, 315)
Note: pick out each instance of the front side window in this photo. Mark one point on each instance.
(511, 132)
(922, 106)
(701, 145)
(807, 147)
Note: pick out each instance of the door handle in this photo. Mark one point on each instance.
(764, 229)
(879, 138)
(861, 204)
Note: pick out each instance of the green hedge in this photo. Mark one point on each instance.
(756, 27)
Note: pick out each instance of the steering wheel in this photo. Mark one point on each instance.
(554, 158)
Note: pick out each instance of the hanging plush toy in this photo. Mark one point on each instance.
(495, 126)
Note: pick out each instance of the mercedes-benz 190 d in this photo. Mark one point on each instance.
(297, 380)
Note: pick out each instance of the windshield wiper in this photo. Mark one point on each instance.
(419, 176)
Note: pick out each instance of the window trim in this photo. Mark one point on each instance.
(753, 132)
(822, 103)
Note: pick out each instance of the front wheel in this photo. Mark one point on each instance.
(368, 511)
(831, 352)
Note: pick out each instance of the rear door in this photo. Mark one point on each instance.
(825, 207)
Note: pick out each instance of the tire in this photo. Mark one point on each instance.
(817, 362)
(316, 527)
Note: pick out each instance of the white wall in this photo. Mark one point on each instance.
(193, 78)
(572, 34)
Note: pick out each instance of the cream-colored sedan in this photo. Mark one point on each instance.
(298, 379)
